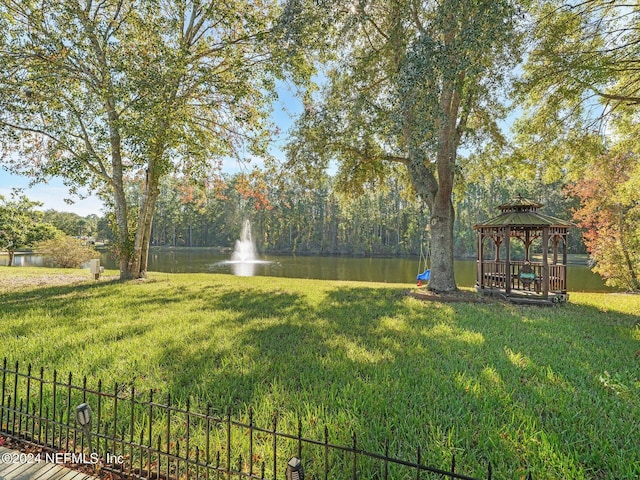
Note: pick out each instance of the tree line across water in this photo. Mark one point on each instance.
(288, 218)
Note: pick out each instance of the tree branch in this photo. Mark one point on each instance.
(416, 18)
(631, 99)
(56, 140)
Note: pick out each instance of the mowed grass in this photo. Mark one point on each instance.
(551, 391)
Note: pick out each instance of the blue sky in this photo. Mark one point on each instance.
(53, 194)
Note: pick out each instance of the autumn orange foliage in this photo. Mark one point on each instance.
(609, 215)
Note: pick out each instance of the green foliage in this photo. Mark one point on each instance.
(288, 218)
(73, 224)
(20, 224)
(551, 391)
(580, 95)
(581, 70)
(66, 252)
(385, 95)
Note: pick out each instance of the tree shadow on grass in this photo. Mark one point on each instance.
(546, 389)
(252, 305)
(60, 304)
(523, 386)
(564, 377)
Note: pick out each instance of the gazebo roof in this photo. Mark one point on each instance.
(521, 212)
(520, 204)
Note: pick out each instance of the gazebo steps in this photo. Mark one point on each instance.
(523, 297)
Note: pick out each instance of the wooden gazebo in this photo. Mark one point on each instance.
(508, 269)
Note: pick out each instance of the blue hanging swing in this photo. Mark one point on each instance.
(426, 259)
(424, 276)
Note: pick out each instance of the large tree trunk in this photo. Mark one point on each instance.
(146, 238)
(434, 183)
(442, 212)
(151, 193)
(442, 219)
(123, 243)
(123, 247)
(103, 81)
(145, 222)
(437, 196)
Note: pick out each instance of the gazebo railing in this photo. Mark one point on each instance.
(558, 278)
(493, 274)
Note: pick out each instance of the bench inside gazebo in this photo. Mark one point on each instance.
(507, 269)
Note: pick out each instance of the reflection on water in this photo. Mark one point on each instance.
(390, 270)
(244, 269)
(22, 260)
(240, 268)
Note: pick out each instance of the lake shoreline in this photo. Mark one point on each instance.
(385, 269)
(572, 259)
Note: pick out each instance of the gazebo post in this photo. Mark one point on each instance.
(564, 263)
(545, 262)
(480, 257)
(507, 273)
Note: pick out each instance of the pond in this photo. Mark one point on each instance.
(389, 270)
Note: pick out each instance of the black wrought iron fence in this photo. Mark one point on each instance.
(137, 436)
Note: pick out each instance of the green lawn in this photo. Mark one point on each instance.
(554, 391)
